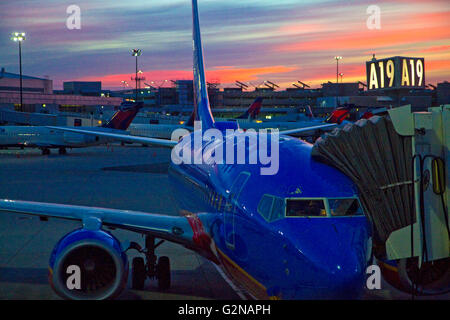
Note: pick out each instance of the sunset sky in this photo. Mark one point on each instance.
(247, 40)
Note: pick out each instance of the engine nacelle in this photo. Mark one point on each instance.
(98, 258)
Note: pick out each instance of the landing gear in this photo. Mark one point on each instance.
(138, 274)
(163, 273)
(45, 151)
(151, 267)
(62, 150)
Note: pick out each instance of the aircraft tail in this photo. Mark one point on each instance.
(309, 112)
(123, 117)
(338, 115)
(253, 110)
(202, 108)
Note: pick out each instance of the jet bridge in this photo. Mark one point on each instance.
(400, 164)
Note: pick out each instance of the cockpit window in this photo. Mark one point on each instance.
(271, 208)
(277, 209)
(305, 208)
(265, 206)
(345, 207)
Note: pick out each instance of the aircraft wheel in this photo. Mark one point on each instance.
(45, 151)
(163, 271)
(138, 273)
(62, 151)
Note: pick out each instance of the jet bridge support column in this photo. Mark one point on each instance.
(401, 166)
(430, 133)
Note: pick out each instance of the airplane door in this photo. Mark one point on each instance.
(230, 208)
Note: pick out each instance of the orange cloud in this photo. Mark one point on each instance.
(368, 39)
(223, 74)
(436, 49)
(396, 29)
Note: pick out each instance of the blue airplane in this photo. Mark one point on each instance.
(297, 234)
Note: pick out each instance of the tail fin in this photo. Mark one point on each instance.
(309, 113)
(338, 115)
(253, 110)
(122, 119)
(201, 100)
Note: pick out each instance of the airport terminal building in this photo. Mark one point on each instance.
(39, 96)
(176, 97)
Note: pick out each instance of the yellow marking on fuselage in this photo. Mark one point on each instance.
(237, 267)
(388, 266)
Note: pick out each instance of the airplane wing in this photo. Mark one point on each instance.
(306, 129)
(186, 230)
(122, 137)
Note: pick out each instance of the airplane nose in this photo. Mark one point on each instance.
(341, 278)
(332, 265)
(346, 276)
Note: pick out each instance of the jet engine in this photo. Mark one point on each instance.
(88, 264)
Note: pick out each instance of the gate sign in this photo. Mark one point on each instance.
(395, 73)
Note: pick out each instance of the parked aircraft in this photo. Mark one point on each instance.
(299, 233)
(245, 121)
(46, 138)
(164, 131)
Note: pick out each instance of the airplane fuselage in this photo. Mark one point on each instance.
(258, 245)
(164, 131)
(43, 137)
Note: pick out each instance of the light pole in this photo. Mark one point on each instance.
(19, 37)
(337, 58)
(136, 53)
(340, 75)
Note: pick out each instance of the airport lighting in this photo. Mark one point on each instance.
(124, 83)
(337, 58)
(136, 53)
(19, 37)
(341, 75)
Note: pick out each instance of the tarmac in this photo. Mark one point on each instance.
(133, 178)
(121, 177)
